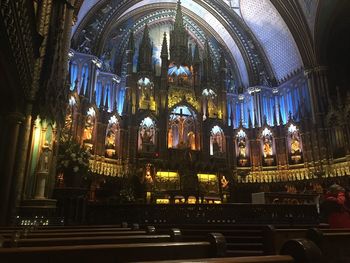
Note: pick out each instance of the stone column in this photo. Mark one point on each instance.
(12, 124)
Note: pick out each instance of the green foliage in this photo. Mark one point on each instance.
(72, 158)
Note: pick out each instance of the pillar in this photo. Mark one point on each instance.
(12, 123)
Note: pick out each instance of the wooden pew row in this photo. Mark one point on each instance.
(72, 241)
(69, 227)
(76, 234)
(242, 240)
(117, 252)
(334, 243)
(260, 259)
(275, 238)
(69, 230)
(296, 251)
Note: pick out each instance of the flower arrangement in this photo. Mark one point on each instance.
(72, 158)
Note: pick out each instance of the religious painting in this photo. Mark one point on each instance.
(217, 142)
(267, 147)
(294, 143)
(147, 135)
(182, 129)
(112, 137)
(242, 152)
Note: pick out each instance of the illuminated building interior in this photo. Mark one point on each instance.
(179, 101)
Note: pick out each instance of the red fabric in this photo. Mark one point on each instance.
(339, 220)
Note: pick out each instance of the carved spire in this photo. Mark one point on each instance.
(178, 39)
(179, 23)
(145, 52)
(164, 52)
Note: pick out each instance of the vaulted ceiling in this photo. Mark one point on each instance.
(254, 36)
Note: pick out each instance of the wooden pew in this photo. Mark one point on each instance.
(260, 259)
(71, 241)
(76, 234)
(241, 240)
(297, 251)
(334, 243)
(215, 247)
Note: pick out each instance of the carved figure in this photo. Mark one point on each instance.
(295, 145)
(110, 140)
(216, 146)
(242, 147)
(147, 135)
(87, 135)
(44, 160)
(267, 149)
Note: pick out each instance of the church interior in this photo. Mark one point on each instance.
(210, 121)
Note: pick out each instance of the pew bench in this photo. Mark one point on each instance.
(116, 252)
(334, 244)
(260, 259)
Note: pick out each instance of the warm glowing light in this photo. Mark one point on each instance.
(162, 201)
(172, 176)
(206, 177)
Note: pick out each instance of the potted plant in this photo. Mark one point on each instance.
(72, 162)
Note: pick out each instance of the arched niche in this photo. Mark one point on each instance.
(242, 147)
(183, 131)
(217, 142)
(112, 139)
(147, 135)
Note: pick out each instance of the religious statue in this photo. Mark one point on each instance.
(147, 135)
(87, 135)
(44, 160)
(295, 145)
(110, 140)
(224, 182)
(242, 148)
(267, 149)
(216, 146)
